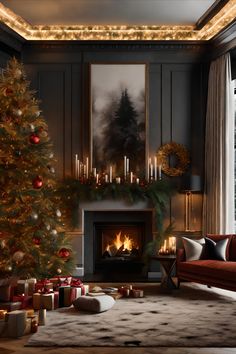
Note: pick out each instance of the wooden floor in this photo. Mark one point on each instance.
(16, 346)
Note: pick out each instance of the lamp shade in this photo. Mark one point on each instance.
(191, 183)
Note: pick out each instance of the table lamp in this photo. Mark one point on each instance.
(191, 184)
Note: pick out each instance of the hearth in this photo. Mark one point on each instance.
(114, 244)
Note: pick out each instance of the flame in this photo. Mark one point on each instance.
(126, 242)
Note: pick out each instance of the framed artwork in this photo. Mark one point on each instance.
(118, 97)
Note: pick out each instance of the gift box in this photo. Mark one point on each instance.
(49, 301)
(6, 292)
(10, 306)
(31, 286)
(67, 295)
(22, 287)
(77, 283)
(16, 323)
(25, 300)
(43, 285)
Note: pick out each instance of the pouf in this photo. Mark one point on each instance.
(99, 303)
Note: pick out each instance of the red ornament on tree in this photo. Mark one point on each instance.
(34, 139)
(37, 182)
(8, 91)
(64, 253)
(37, 241)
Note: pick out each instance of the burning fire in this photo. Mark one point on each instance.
(125, 243)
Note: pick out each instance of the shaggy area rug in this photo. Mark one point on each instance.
(193, 316)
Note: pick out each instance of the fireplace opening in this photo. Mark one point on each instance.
(119, 247)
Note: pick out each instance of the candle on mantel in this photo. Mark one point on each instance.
(137, 180)
(155, 168)
(76, 166)
(151, 171)
(148, 169)
(118, 180)
(159, 171)
(110, 174)
(125, 166)
(131, 177)
(97, 178)
(106, 178)
(94, 172)
(87, 167)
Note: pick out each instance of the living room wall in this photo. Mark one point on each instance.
(59, 72)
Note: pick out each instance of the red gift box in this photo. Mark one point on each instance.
(43, 285)
(26, 301)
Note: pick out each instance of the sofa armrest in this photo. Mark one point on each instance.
(180, 255)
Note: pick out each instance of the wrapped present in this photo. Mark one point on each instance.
(10, 306)
(49, 301)
(77, 283)
(137, 293)
(31, 286)
(6, 292)
(25, 300)
(67, 295)
(43, 285)
(16, 322)
(22, 287)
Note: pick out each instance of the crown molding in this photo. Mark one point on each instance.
(210, 13)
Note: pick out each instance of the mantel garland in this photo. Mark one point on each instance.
(157, 192)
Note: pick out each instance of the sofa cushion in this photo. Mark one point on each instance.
(216, 250)
(194, 249)
(99, 303)
(217, 237)
(212, 269)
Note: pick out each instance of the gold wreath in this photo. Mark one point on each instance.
(180, 152)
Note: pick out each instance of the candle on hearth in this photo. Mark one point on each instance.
(155, 168)
(159, 171)
(131, 177)
(110, 174)
(125, 165)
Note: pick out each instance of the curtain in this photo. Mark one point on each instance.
(218, 200)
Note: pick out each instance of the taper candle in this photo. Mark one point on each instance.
(155, 168)
(159, 171)
(110, 174)
(125, 162)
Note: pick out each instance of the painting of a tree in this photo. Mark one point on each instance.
(118, 115)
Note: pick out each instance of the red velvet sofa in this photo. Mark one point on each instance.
(221, 274)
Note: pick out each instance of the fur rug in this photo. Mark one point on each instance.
(193, 316)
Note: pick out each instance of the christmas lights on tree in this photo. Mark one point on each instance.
(32, 238)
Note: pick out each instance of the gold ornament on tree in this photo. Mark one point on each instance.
(179, 153)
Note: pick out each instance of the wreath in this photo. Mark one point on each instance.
(179, 152)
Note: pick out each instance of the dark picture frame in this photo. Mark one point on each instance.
(118, 117)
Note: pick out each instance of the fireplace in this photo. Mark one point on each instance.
(114, 243)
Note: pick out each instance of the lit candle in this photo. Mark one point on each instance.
(78, 169)
(148, 169)
(110, 174)
(137, 180)
(125, 165)
(155, 168)
(159, 171)
(131, 177)
(97, 176)
(94, 172)
(118, 180)
(87, 167)
(76, 161)
(151, 171)
(106, 178)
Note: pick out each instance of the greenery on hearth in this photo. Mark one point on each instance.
(157, 192)
(32, 237)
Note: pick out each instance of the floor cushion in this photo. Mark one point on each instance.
(97, 304)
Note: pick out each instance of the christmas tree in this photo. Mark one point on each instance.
(32, 238)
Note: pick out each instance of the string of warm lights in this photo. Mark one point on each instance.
(109, 32)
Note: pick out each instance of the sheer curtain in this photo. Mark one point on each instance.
(218, 200)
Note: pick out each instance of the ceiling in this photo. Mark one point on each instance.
(109, 12)
(117, 19)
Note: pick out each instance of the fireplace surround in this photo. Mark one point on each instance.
(91, 265)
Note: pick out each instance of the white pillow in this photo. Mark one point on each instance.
(193, 248)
